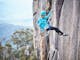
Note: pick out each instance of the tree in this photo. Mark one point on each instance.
(1, 52)
(22, 37)
(1, 48)
(9, 51)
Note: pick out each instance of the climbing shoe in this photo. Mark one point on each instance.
(65, 34)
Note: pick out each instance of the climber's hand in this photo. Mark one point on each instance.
(51, 10)
(34, 13)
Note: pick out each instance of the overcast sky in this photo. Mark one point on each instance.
(17, 12)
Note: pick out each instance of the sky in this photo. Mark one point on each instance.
(17, 12)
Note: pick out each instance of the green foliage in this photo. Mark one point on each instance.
(1, 47)
(16, 53)
(33, 57)
(8, 45)
(22, 37)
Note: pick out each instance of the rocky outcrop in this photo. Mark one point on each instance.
(70, 23)
(66, 17)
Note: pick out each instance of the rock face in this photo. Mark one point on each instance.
(70, 23)
(66, 17)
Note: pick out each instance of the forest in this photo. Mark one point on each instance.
(19, 46)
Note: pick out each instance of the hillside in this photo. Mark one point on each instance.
(7, 29)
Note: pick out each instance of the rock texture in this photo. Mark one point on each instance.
(70, 23)
(66, 17)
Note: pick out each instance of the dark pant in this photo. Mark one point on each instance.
(56, 29)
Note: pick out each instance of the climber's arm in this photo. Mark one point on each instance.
(49, 14)
(38, 22)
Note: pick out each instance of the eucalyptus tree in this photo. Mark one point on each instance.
(22, 37)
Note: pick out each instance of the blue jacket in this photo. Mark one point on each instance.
(43, 22)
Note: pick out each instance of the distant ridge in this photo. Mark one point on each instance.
(6, 30)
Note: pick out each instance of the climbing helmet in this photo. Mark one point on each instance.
(43, 13)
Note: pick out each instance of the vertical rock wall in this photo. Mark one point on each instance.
(66, 17)
(69, 23)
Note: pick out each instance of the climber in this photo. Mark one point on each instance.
(44, 25)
